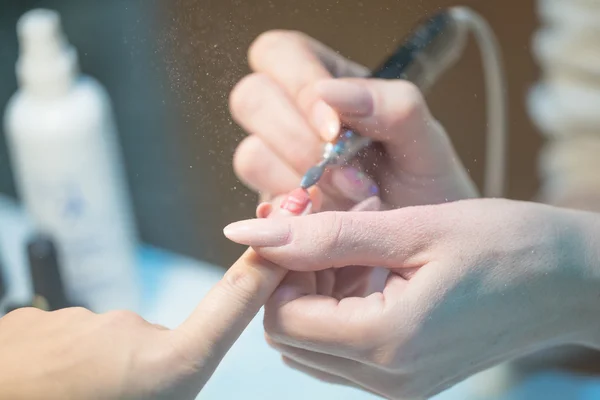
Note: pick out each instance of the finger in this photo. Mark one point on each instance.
(392, 239)
(317, 374)
(295, 61)
(323, 376)
(325, 282)
(264, 210)
(350, 327)
(263, 109)
(338, 369)
(321, 283)
(261, 169)
(353, 328)
(352, 281)
(392, 112)
(370, 204)
(206, 336)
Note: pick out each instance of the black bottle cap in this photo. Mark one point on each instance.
(48, 288)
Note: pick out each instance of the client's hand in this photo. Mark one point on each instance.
(291, 105)
(76, 354)
(471, 284)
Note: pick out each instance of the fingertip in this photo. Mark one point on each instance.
(316, 198)
(264, 210)
(326, 121)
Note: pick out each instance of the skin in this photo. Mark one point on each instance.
(77, 354)
(472, 283)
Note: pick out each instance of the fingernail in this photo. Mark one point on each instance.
(371, 204)
(326, 121)
(346, 97)
(259, 232)
(296, 202)
(354, 184)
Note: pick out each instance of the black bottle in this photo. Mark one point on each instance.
(48, 287)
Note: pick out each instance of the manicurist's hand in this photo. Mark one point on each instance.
(299, 95)
(76, 354)
(471, 284)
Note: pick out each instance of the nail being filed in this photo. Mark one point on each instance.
(298, 202)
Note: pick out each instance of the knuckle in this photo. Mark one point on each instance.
(270, 40)
(412, 94)
(241, 283)
(244, 98)
(411, 104)
(123, 317)
(334, 230)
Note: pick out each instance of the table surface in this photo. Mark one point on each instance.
(172, 285)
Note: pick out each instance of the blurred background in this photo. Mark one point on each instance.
(169, 66)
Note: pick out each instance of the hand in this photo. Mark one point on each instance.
(76, 354)
(471, 284)
(290, 105)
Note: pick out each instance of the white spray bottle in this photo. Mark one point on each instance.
(65, 156)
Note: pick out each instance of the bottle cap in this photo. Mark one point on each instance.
(47, 63)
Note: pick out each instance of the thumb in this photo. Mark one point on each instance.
(221, 317)
(390, 239)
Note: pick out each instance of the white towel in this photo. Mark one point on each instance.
(565, 105)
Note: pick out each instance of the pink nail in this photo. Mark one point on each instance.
(370, 204)
(297, 201)
(326, 121)
(270, 232)
(354, 184)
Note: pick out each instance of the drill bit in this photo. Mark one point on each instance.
(313, 175)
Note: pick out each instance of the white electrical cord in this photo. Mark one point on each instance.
(496, 100)
(493, 382)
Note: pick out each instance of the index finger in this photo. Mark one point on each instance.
(295, 60)
(226, 311)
